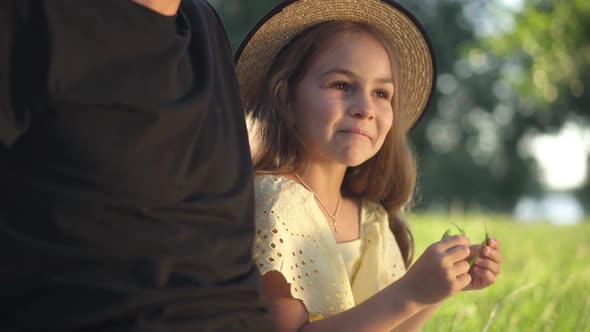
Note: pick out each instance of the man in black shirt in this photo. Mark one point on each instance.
(126, 201)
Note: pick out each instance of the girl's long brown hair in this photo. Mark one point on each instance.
(388, 177)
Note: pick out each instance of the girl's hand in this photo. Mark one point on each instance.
(440, 272)
(487, 267)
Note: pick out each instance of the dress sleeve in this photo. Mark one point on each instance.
(274, 248)
(278, 248)
(289, 240)
(280, 243)
(13, 121)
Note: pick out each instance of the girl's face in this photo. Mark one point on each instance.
(342, 105)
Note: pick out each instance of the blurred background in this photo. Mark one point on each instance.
(508, 129)
(504, 148)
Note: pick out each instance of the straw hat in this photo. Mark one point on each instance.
(258, 50)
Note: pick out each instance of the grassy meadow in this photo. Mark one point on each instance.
(544, 284)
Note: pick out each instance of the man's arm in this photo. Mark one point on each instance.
(6, 19)
(164, 7)
(12, 125)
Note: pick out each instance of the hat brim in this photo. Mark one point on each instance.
(285, 21)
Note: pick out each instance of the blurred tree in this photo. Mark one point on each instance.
(550, 43)
(550, 46)
(468, 143)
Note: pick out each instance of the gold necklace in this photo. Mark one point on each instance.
(331, 215)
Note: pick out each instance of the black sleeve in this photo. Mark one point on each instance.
(126, 198)
(35, 35)
(13, 122)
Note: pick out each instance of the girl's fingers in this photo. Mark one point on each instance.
(494, 243)
(458, 253)
(489, 251)
(463, 280)
(474, 249)
(453, 241)
(493, 254)
(489, 265)
(460, 267)
(487, 275)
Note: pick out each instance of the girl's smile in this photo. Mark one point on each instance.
(356, 131)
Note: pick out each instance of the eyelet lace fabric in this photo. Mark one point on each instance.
(293, 238)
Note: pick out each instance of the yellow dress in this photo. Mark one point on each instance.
(293, 238)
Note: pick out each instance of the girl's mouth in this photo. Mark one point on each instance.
(356, 131)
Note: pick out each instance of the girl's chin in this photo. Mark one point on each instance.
(354, 161)
(355, 164)
(347, 158)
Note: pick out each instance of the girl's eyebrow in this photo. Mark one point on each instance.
(351, 74)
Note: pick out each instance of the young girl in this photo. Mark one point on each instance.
(331, 88)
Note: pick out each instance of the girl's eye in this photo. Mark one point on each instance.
(382, 94)
(340, 86)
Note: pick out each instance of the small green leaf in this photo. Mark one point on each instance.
(446, 234)
(479, 252)
(461, 230)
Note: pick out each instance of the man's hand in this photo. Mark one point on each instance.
(164, 7)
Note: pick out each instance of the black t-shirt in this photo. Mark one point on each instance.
(126, 199)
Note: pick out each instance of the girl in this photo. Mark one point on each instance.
(331, 88)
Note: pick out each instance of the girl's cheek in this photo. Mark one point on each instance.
(386, 122)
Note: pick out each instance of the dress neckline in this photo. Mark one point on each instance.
(355, 241)
(310, 194)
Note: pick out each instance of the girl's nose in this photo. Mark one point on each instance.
(361, 107)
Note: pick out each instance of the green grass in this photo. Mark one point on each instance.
(544, 284)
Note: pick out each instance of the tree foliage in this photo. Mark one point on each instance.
(550, 42)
